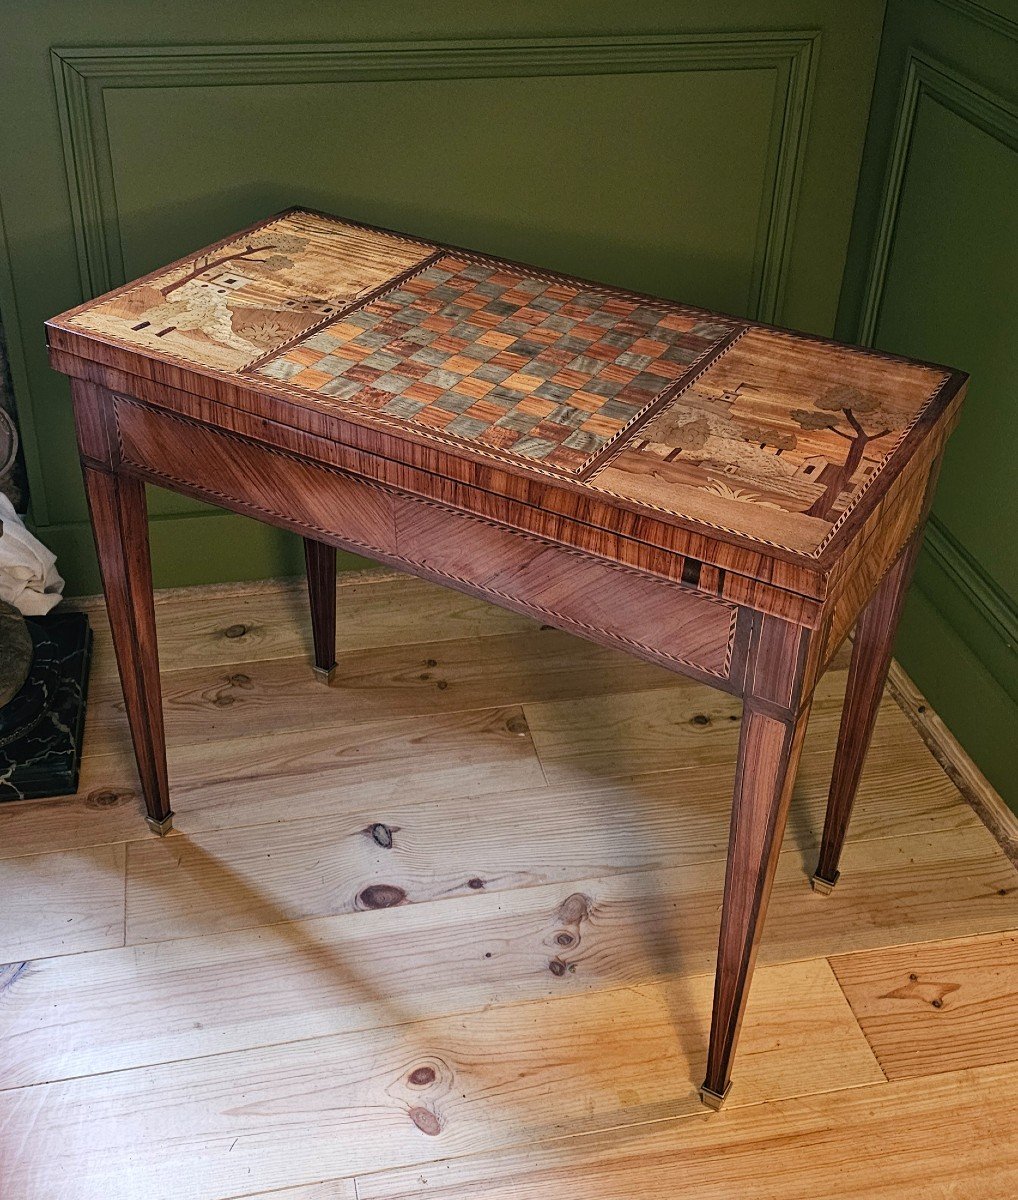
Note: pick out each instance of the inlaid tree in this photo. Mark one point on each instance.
(835, 409)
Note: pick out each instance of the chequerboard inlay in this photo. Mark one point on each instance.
(535, 367)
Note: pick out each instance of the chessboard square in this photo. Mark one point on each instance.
(507, 358)
(441, 379)
(571, 379)
(484, 320)
(616, 373)
(556, 392)
(573, 345)
(491, 372)
(567, 414)
(484, 410)
(515, 325)
(337, 362)
(544, 368)
(340, 387)
(533, 447)
(681, 322)
(595, 423)
(559, 323)
(466, 427)
(360, 320)
(438, 323)
(454, 402)
(429, 356)
(433, 417)
(311, 379)
(501, 308)
(381, 360)
(504, 397)
(600, 386)
(496, 339)
(585, 441)
(363, 374)
(392, 382)
(460, 364)
(646, 384)
(649, 345)
(424, 392)
(585, 365)
(478, 353)
(618, 410)
(522, 382)
(679, 353)
(537, 406)
(586, 401)
(451, 345)
(526, 346)
(500, 439)
(305, 355)
(637, 361)
(711, 330)
(471, 386)
(522, 422)
(418, 336)
(325, 340)
(401, 406)
(280, 368)
(665, 370)
(466, 331)
(620, 341)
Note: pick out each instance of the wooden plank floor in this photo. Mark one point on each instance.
(446, 929)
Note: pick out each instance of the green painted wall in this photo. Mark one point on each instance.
(709, 153)
(933, 271)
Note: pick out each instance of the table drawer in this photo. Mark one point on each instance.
(645, 614)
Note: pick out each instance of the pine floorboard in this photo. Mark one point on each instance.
(446, 929)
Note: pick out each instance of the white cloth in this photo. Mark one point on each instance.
(28, 577)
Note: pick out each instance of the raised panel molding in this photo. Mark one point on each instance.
(952, 565)
(82, 75)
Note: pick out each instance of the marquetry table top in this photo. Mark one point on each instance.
(746, 432)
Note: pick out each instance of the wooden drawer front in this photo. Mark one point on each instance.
(649, 616)
(653, 617)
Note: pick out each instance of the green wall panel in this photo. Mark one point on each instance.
(933, 272)
(707, 153)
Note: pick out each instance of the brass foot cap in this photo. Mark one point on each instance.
(714, 1099)
(326, 674)
(824, 887)
(162, 827)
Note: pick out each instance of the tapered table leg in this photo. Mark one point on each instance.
(867, 674)
(120, 524)
(769, 748)
(321, 571)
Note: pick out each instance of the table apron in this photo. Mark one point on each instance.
(646, 615)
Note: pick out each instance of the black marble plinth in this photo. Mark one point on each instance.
(41, 727)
